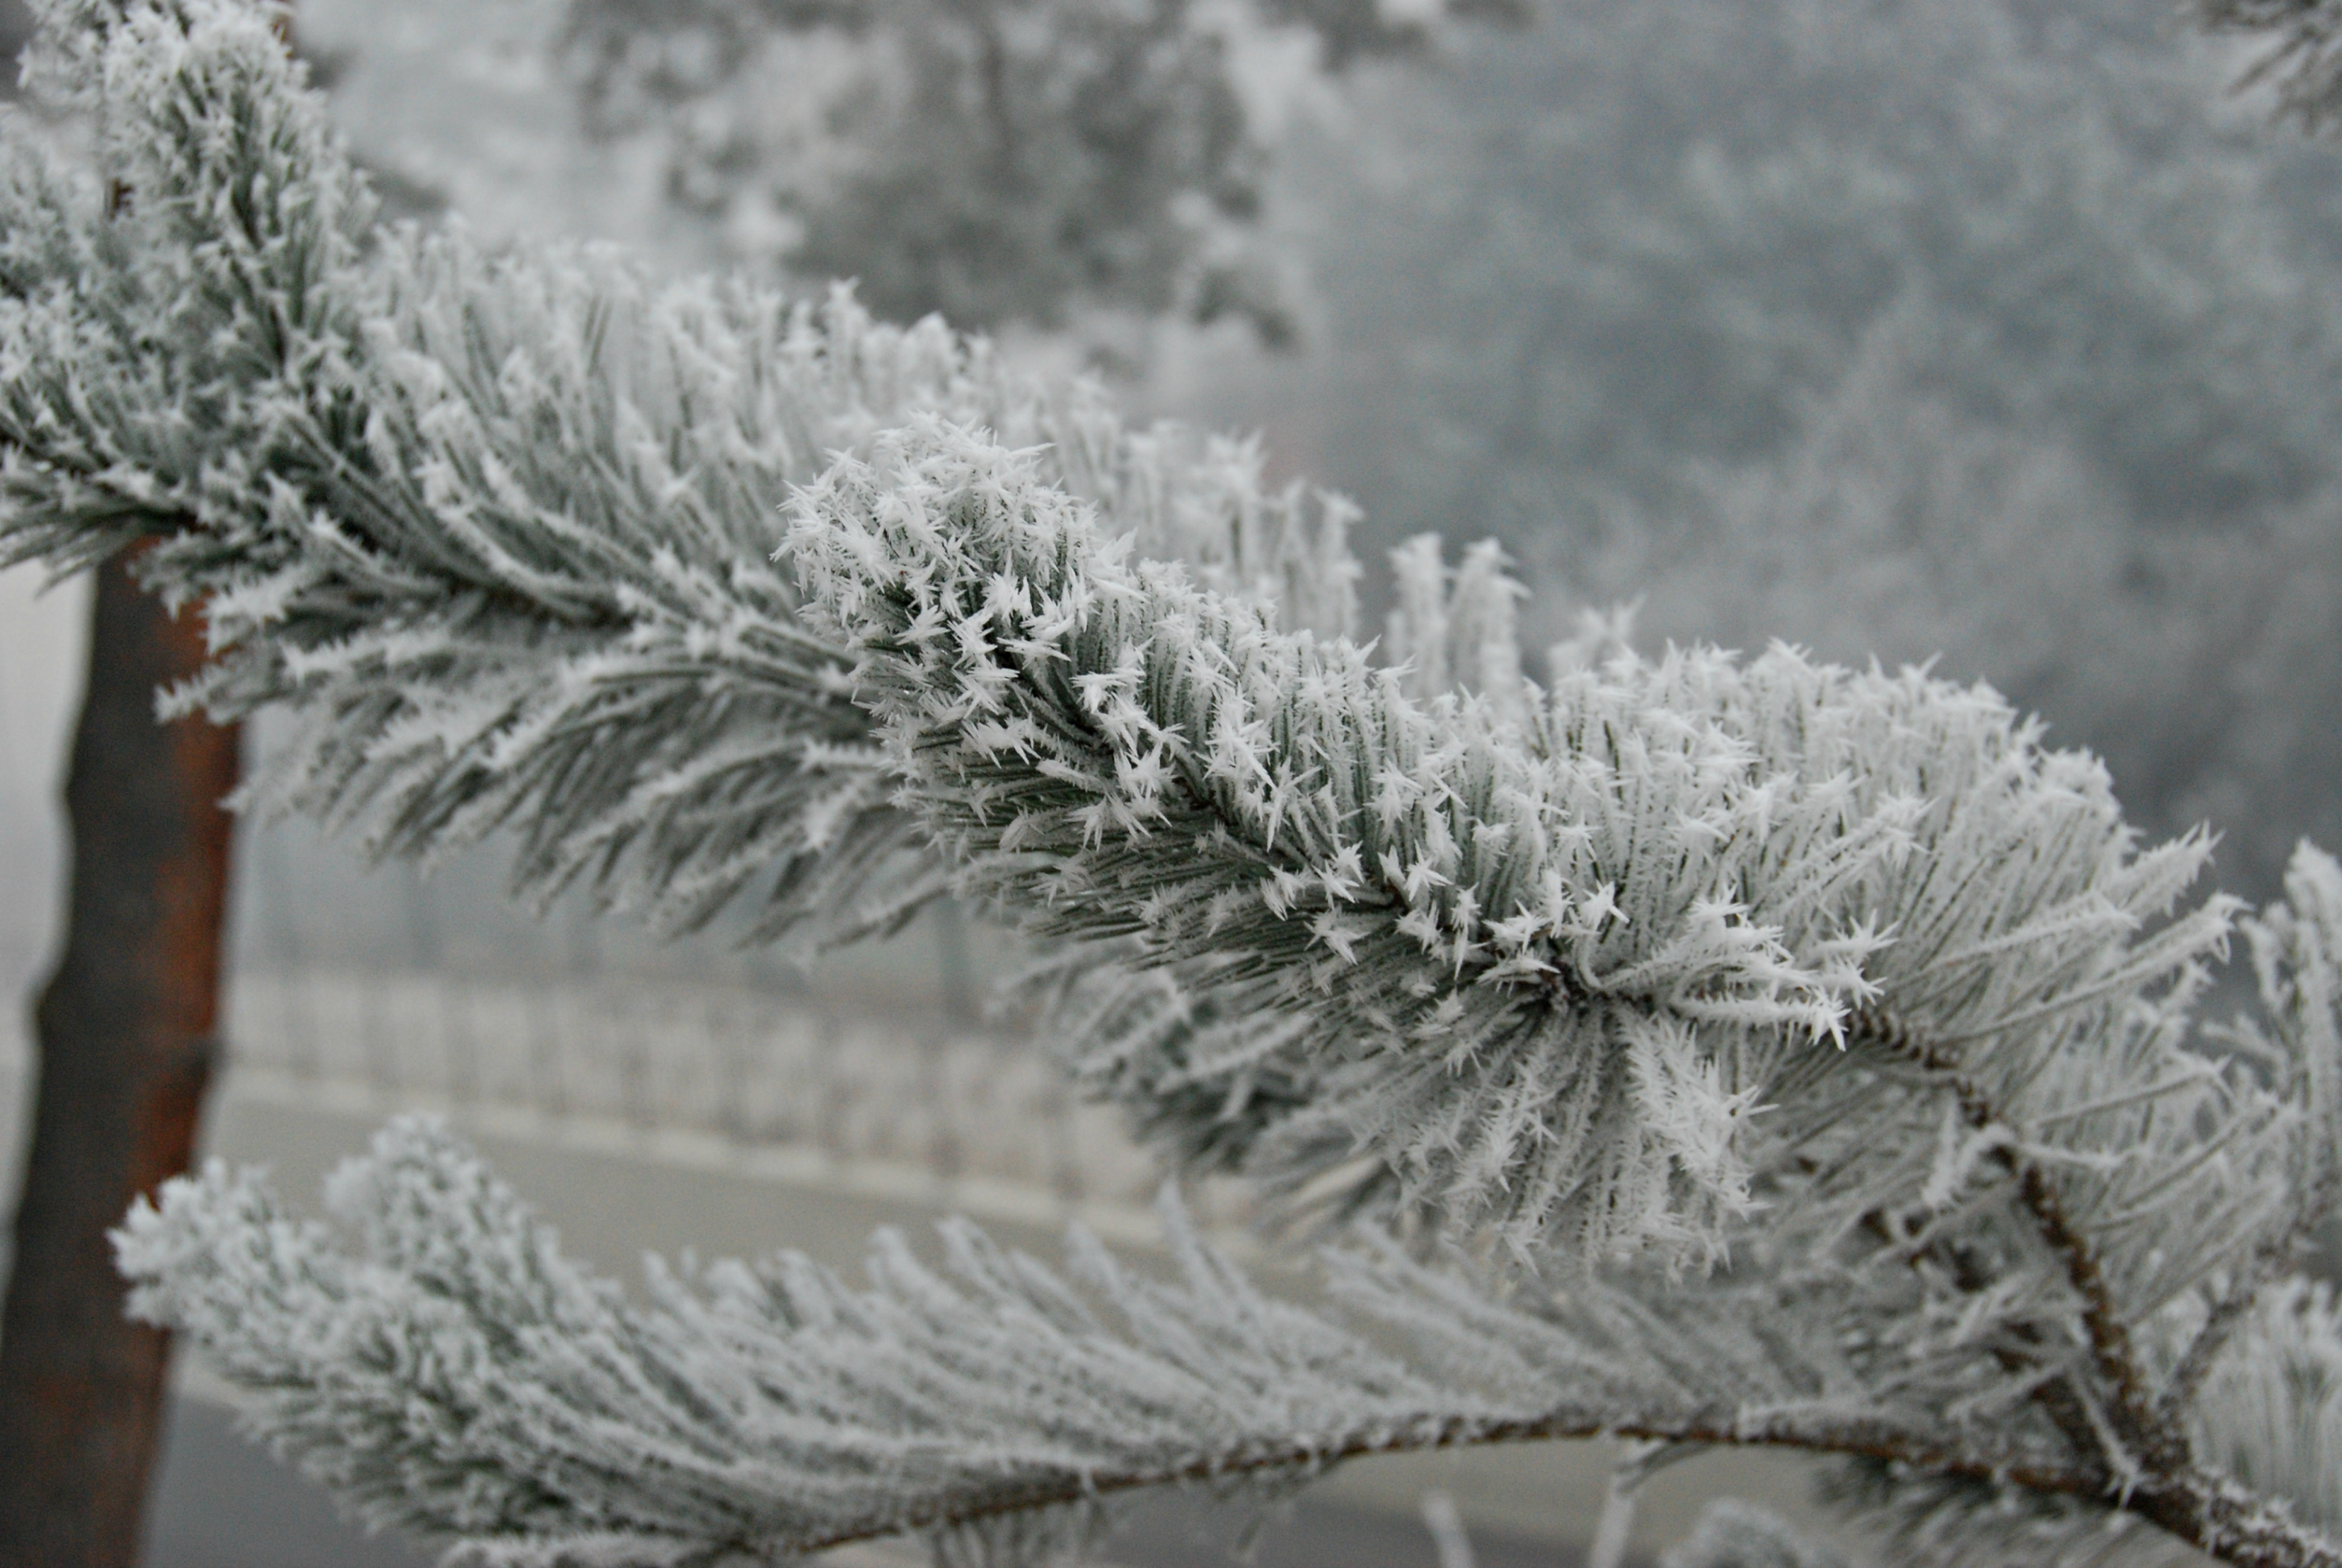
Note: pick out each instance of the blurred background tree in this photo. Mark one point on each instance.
(1026, 162)
(2000, 332)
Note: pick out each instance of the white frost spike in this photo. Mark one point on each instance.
(1415, 637)
(1448, 1537)
(1453, 630)
(1684, 1106)
(1959, 1149)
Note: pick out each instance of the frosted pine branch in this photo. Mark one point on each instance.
(1541, 971)
(462, 1379)
(1062, 714)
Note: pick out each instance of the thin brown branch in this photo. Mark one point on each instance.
(2166, 1487)
(2158, 1445)
(1875, 1440)
(2196, 1508)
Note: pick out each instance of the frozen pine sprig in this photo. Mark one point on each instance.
(1546, 964)
(599, 651)
(149, 295)
(458, 1377)
(1128, 755)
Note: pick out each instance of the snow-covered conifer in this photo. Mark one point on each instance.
(1821, 1046)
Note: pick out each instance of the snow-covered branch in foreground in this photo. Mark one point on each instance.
(1542, 967)
(461, 1379)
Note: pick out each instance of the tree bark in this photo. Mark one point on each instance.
(126, 1029)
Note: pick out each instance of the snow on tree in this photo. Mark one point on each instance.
(1975, 329)
(1698, 1050)
(1018, 161)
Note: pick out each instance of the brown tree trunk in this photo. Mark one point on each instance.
(126, 1030)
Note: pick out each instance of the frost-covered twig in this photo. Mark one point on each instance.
(2134, 1431)
(463, 1379)
(1679, 874)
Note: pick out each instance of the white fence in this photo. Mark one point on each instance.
(753, 1068)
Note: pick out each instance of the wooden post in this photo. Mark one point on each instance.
(127, 1036)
